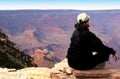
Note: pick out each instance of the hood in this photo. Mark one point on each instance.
(81, 27)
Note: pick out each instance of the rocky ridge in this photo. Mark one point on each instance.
(11, 56)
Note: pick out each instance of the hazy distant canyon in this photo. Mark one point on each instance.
(52, 29)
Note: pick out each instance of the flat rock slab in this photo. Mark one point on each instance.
(98, 74)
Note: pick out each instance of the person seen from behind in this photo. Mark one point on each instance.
(86, 50)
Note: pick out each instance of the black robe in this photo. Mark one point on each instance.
(83, 44)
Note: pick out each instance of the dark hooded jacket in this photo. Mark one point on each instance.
(83, 43)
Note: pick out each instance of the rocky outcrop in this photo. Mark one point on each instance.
(11, 56)
(45, 58)
(60, 71)
(109, 72)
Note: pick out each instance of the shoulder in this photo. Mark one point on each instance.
(90, 36)
(88, 33)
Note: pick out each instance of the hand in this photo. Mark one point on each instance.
(115, 57)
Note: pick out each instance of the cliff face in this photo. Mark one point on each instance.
(11, 56)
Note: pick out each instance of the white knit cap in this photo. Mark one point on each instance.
(83, 17)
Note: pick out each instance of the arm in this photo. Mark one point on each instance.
(100, 47)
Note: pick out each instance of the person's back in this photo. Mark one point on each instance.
(83, 44)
